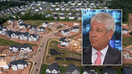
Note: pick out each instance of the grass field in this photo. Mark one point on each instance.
(4, 42)
(39, 22)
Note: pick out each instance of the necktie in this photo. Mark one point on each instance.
(98, 60)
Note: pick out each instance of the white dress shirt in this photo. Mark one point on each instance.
(94, 55)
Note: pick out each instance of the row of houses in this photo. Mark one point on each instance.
(72, 69)
(22, 36)
(67, 31)
(23, 48)
(15, 65)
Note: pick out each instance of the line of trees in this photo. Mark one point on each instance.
(125, 5)
(8, 4)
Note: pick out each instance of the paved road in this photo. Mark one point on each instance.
(39, 58)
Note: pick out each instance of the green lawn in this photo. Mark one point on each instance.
(58, 27)
(44, 69)
(127, 41)
(4, 42)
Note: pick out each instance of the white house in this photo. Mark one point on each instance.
(45, 24)
(57, 8)
(67, 8)
(23, 25)
(53, 5)
(65, 32)
(63, 42)
(75, 29)
(62, 8)
(5, 64)
(15, 35)
(33, 37)
(53, 69)
(61, 13)
(41, 29)
(2, 30)
(14, 48)
(71, 17)
(89, 70)
(33, 28)
(11, 21)
(24, 36)
(62, 16)
(19, 64)
(79, 3)
(72, 69)
(26, 48)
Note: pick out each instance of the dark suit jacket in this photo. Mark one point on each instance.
(113, 56)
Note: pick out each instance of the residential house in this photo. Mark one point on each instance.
(54, 12)
(62, 16)
(41, 29)
(79, 3)
(67, 8)
(53, 5)
(47, 15)
(23, 12)
(53, 69)
(75, 29)
(79, 17)
(71, 17)
(78, 13)
(41, 7)
(108, 70)
(77, 9)
(45, 24)
(65, 4)
(33, 37)
(89, 70)
(24, 36)
(23, 25)
(52, 8)
(63, 42)
(19, 64)
(65, 32)
(127, 70)
(19, 21)
(26, 48)
(55, 16)
(15, 35)
(2, 30)
(5, 64)
(92, 3)
(11, 21)
(8, 33)
(72, 69)
(61, 13)
(62, 8)
(33, 28)
(72, 8)
(124, 31)
(14, 48)
(57, 8)
(73, 4)
(36, 10)
(70, 13)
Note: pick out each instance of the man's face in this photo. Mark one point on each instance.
(98, 35)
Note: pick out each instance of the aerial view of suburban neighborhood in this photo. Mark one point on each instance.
(45, 36)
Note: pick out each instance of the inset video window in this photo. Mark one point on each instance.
(102, 37)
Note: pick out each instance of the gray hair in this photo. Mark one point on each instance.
(105, 18)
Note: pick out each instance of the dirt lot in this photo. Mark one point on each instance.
(21, 71)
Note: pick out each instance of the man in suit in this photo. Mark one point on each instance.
(100, 52)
